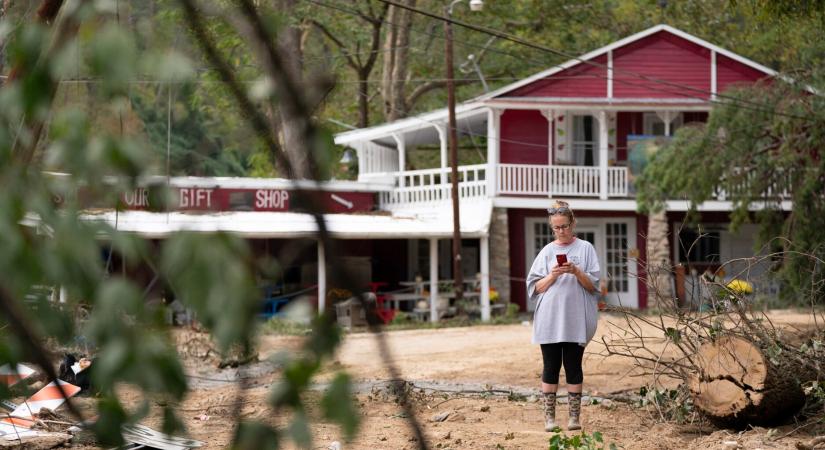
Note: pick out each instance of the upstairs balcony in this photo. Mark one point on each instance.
(432, 186)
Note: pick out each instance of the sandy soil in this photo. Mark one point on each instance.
(440, 362)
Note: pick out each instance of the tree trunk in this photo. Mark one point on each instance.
(396, 53)
(736, 384)
(363, 99)
(4, 10)
(660, 290)
(290, 128)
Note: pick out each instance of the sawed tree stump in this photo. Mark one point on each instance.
(735, 384)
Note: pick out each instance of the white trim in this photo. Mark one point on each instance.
(713, 87)
(422, 121)
(610, 74)
(584, 204)
(581, 204)
(599, 101)
(250, 183)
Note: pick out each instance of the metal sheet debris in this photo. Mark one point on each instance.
(143, 435)
(10, 375)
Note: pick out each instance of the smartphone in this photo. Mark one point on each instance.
(561, 259)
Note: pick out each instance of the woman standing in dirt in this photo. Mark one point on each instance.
(562, 283)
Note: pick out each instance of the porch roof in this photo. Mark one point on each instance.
(410, 223)
(471, 117)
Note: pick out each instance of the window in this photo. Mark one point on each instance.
(655, 126)
(698, 247)
(586, 140)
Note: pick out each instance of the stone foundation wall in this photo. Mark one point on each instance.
(500, 254)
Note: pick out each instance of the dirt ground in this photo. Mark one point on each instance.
(443, 367)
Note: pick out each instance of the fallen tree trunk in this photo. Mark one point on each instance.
(737, 384)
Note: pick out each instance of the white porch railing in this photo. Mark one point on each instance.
(433, 185)
(577, 181)
(777, 187)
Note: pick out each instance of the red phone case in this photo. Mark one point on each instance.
(561, 259)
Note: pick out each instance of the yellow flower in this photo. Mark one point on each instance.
(740, 287)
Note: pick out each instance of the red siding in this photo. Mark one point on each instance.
(730, 72)
(641, 266)
(666, 57)
(518, 269)
(524, 137)
(581, 80)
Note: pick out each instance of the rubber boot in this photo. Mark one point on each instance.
(549, 411)
(575, 402)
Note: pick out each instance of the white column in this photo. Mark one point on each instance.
(485, 279)
(493, 150)
(610, 74)
(63, 294)
(433, 279)
(322, 278)
(713, 81)
(603, 142)
(402, 155)
(667, 117)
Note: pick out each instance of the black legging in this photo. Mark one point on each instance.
(553, 354)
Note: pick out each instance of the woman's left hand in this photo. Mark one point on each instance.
(568, 267)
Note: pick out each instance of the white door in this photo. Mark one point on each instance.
(613, 239)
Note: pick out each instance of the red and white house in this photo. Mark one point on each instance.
(563, 134)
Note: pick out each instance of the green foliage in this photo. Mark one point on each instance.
(584, 441)
(750, 152)
(669, 404)
(105, 135)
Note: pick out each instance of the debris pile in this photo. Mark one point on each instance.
(35, 424)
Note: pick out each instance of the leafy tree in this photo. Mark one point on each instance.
(47, 243)
(759, 146)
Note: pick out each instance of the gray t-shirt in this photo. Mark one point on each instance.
(565, 312)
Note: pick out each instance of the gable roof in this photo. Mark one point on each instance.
(621, 43)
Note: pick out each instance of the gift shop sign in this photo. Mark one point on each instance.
(227, 199)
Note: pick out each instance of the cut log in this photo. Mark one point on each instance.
(737, 385)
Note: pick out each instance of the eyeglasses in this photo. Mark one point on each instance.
(561, 227)
(559, 210)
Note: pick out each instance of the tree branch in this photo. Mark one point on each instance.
(424, 88)
(344, 50)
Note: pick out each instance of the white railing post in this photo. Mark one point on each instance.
(603, 154)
